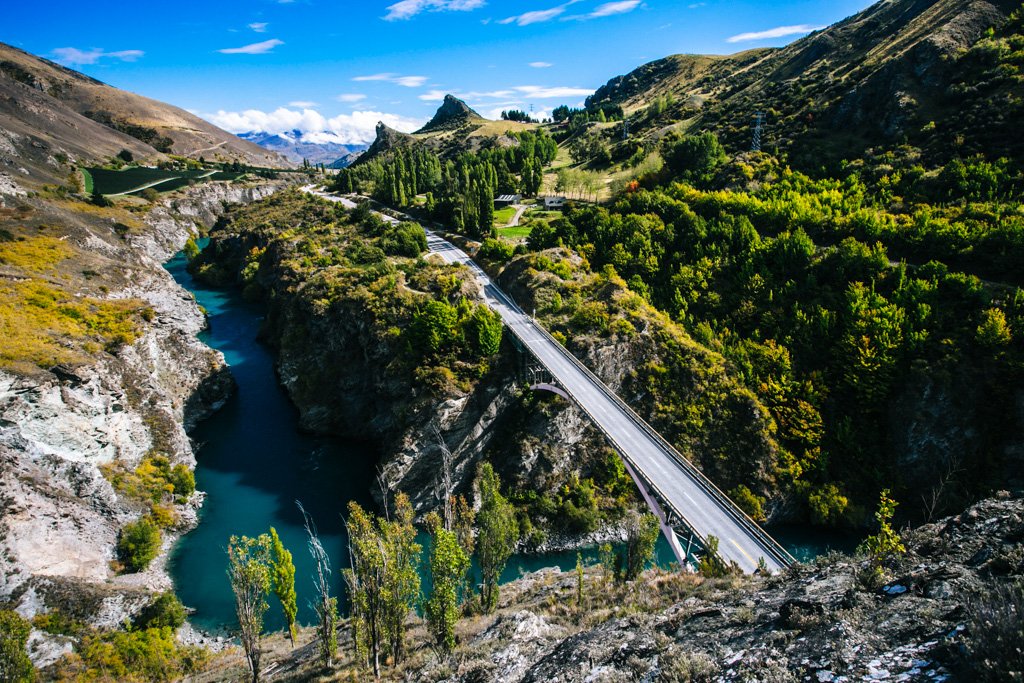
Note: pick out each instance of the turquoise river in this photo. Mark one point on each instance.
(254, 464)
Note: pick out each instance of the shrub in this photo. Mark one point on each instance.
(147, 655)
(139, 543)
(14, 662)
(749, 502)
(995, 620)
(827, 505)
(165, 610)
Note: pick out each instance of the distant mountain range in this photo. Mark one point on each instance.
(317, 148)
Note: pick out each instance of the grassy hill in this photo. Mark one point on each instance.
(49, 113)
(880, 77)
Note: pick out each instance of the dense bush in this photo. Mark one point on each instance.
(164, 610)
(15, 666)
(138, 543)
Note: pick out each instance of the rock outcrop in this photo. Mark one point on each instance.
(60, 516)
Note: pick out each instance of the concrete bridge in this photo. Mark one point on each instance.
(689, 507)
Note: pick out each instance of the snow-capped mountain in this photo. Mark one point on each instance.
(317, 148)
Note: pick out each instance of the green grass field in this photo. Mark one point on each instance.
(135, 179)
(516, 233)
(503, 216)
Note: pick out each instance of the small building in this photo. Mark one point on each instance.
(507, 200)
(554, 202)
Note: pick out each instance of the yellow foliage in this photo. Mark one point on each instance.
(36, 255)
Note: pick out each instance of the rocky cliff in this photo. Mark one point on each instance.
(347, 358)
(59, 426)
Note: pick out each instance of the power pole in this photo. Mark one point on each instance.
(758, 125)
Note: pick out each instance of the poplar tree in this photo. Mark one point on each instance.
(402, 578)
(366, 584)
(249, 572)
(283, 570)
(448, 566)
(497, 534)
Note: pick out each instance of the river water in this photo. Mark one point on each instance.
(254, 464)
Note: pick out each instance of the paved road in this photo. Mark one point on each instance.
(704, 509)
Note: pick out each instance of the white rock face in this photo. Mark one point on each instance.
(59, 516)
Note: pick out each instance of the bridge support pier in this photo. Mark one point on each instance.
(682, 556)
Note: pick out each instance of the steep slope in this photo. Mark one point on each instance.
(74, 114)
(452, 114)
(876, 77)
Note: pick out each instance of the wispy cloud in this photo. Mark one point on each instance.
(359, 127)
(696, 5)
(259, 26)
(407, 9)
(433, 95)
(303, 104)
(551, 92)
(541, 65)
(537, 16)
(350, 97)
(253, 49)
(777, 32)
(612, 8)
(397, 79)
(72, 56)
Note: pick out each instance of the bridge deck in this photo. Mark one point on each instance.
(690, 495)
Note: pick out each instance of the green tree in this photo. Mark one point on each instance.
(711, 563)
(497, 534)
(641, 537)
(488, 328)
(165, 610)
(138, 543)
(191, 249)
(249, 569)
(827, 504)
(402, 580)
(448, 566)
(694, 157)
(993, 332)
(15, 666)
(367, 584)
(283, 574)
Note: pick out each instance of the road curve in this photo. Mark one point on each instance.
(704, 509)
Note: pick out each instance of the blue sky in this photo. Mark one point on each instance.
(333, 68)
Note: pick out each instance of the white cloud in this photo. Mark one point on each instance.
(549, 92)
(696, 5)
(350, 97)
(536, 16)
(778, 32)
(253, 49)
(407, 9)
(303, 104)
(611, 8)
(359, 127)
(73, 56)
(495, 113)
(259, 26)
(433, 95)
(397, 79)
(541, 65)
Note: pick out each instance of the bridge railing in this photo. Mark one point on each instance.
(767, 542)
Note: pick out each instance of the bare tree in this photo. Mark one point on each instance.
(326, 606)
(445, 488)
(932, 500)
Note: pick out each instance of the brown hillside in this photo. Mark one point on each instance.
(47, 109)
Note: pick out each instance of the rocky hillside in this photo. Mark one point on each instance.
(946, 611)
(50, 114)
(352, 361)
(880, 76)
(454, 128)
(452, 114)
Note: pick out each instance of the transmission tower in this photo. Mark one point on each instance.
(758, 126)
